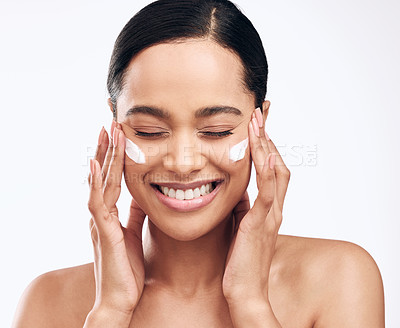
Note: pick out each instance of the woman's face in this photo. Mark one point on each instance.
(184, 105)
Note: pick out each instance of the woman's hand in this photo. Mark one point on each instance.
(245, 281)
(118, 252)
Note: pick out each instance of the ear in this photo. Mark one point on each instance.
(111, 106)
(265, 109)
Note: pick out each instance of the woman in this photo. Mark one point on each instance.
(187, 85)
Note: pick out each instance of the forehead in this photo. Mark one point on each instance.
(192, 74)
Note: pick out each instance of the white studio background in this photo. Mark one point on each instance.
(334, 89)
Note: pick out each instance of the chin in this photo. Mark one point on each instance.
(189, 228)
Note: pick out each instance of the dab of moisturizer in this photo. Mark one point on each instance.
(237, 152)
(134, 152)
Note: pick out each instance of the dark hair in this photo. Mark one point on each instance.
(167, 21)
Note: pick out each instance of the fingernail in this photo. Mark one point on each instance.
(255, 127)
(112, 128)
(115, 137)
(101, 136)
(91, 166)
(272, 161)
(259, 117)
(266, 135)
(105, 136)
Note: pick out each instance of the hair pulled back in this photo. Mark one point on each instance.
(167, 21)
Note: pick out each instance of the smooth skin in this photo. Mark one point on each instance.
(192, 271)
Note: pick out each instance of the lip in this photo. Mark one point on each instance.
(187, 205)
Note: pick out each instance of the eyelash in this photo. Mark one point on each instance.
(218, 134)
(209, 133)
(146, 134)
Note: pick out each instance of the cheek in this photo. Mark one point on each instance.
(142, 153)
(142, 158)
(134, 175)
(231, 155)
(134, 152)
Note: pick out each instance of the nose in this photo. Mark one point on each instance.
(184, 156)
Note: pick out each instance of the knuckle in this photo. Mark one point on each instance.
(112, 181)
(267, 198)
(91, 206)
(268, 177)
(285, 173)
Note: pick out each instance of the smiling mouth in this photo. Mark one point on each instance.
(189, 193)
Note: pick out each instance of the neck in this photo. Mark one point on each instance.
(187, 268)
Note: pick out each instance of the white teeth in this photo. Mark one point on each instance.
(188, 193)
(180, 194)
(171, 193)
(196, 193)
(165, 190)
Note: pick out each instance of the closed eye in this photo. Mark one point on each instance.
(149, 135)
(206, 133)
(217, 134)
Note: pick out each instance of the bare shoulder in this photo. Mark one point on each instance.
(340, 279)
(60, 298)
(316, 249)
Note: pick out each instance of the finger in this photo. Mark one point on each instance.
(114, 176)
(136, 219)
(257, 151)
(266, 192)
(259, 118)
(110, 149)
(263, 138)
(96, 203)
(101, 148)
(282, 175)
(241, 210)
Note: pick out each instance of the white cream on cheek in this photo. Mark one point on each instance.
(133, 151)
(237, 152)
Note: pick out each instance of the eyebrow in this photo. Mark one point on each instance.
(200, 113)
(154, 111)
(210, 111)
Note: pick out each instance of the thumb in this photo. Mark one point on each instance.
(136, 219)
